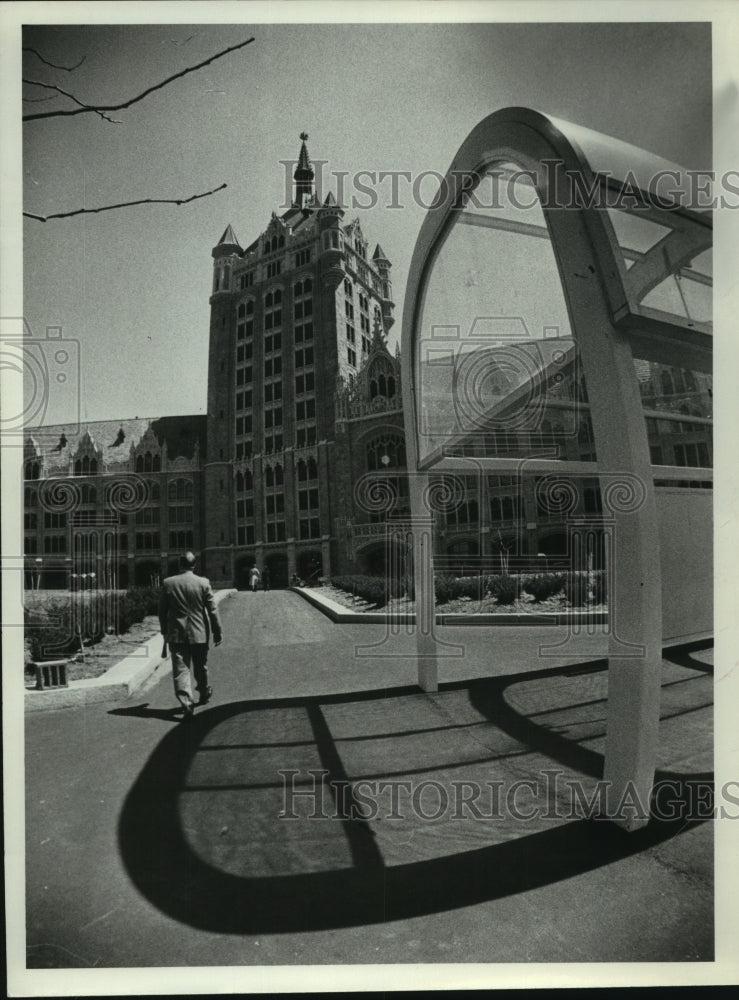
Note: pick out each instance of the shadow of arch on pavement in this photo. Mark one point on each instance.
(170, 874)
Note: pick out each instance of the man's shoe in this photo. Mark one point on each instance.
(188, 713)
(205, 696)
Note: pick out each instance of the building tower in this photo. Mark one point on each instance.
(291, 316)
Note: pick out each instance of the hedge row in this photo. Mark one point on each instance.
(580, 588)
(376, 590)
(54, 625)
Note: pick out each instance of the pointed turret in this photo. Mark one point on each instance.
(331, 206)
(303, 176)
(378, 333)
(382, 264)
(379, 256)
(228, 243)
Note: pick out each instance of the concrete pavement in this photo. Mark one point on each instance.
(153, 843)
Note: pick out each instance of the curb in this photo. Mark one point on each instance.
(341, 615)
(117, 683)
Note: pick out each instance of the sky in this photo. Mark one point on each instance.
(130, 287)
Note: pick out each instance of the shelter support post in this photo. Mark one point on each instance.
(423, 576)
(635, 604)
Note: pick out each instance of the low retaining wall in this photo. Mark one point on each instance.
(119, 682)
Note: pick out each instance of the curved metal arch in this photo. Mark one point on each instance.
(608, 325)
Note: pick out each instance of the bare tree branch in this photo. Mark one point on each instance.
(124, 204)
(67, 69)
(65, 93)
(38, 100)
(96, 109)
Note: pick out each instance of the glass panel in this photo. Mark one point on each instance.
(684, 292)
(667, 298)
(636, 233)
(497, 367)
(667, 389)
(697, 295)
(674, 442)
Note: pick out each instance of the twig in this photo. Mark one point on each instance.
(65, 93)
(67, 69)
(38, 100)
(124, 204)
(133, 100)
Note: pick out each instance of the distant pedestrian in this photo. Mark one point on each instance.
(187, 617)
(254, 576)
(265, 578)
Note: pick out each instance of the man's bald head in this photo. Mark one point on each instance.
(187, 560)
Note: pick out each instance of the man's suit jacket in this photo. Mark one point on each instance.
(187, 611)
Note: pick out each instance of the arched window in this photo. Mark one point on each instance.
(269, 476)
(180, 489)
(32, 470)
(348, 289)
(385, 452)
(239, 482)
(139, 464)
(302, 470)
(156, 465)
(312, 469)
(279, 475)
(381, 382)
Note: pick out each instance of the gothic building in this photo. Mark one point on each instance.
(303, 412)
(300, 385)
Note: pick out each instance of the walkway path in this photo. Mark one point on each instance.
(151, 843)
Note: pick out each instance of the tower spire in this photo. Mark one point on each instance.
(303, 176)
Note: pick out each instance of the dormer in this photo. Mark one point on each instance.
(88, 458)
(148, 454)
(33, 460)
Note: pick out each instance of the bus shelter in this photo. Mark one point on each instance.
(557, 333)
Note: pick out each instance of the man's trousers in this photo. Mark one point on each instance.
(183, 655)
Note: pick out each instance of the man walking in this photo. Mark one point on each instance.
(254, 575)
(187, 616)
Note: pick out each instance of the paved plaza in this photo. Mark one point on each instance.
(156, 843)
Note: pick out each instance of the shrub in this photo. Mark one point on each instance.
(49, 629)
(600, 587)
(444, 588)
(54, 625)
(577, 589)
(544, 585)
(503, 588)
(450, 588)
(373, 589)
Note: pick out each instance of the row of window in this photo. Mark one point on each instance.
(307, 528)
(300, 259)
(304, 358)
(305, 410)
(275, 476)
